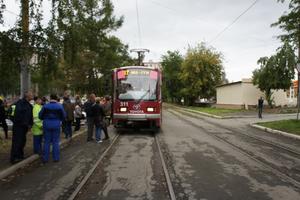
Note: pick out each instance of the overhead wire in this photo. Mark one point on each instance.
(234, 21)
(223, 30)
(11, 12)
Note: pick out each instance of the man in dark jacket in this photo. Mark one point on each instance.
(22, 122)
(260, 107)
(69, 109)
(52, 115)
(3, 118)
(90, 116)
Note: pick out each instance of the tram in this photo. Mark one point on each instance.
(137, 99)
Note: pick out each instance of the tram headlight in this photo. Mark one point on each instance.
(150, 109)
(123, 109)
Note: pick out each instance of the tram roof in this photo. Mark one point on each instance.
(135, 67)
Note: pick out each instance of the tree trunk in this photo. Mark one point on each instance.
(25, 77)
(269, 97)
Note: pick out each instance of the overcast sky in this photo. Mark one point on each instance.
(175, 24)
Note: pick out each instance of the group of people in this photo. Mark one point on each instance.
(46, 118)
(98, 112)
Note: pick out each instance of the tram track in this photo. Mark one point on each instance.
(274, 144)
(88, 176)
(266, 165)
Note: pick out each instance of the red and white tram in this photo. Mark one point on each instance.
(137, 97)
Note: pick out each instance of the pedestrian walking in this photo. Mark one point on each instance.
(260, 107)
(78, 116)
(52, 115)
(37, 128)
(90, 116)
(106, 105)
(99, 115)
(69, 109)
(3, 117)
(22, 122)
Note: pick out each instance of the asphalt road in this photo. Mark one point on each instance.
(228, 166)
(206, 158)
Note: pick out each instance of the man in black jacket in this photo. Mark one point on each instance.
(23, 121)
(260, 107)
(90, 116)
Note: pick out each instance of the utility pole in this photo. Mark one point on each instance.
(141, 54)
(298, 70)
(25, 77)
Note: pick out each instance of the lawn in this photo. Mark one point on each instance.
(290, 126)
(216, 111)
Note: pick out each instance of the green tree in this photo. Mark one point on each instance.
(201, 72)
(290, 23)
(9, 64)
(275, 72)
(171, 66)
(2, 8)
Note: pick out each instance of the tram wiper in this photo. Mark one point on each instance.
(142, 97)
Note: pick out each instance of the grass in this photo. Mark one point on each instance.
(290, 126)
(216, 111)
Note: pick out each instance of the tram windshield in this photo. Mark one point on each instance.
(137, 84)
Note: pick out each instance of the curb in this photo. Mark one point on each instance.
(8, 171)
(201, 113)
(269, 130)
(207, 114)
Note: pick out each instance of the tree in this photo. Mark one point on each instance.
(275, 72)
(2, 8)
(171, 66)
(75, 50)
(202, 71)
(9, 67)
(290, 23)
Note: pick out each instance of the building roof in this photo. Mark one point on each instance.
(244, 80)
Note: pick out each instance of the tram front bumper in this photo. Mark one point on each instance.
(136, 117)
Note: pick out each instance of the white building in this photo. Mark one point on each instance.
(243, 94)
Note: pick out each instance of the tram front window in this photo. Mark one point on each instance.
(138, 84)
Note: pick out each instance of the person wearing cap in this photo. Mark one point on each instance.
(37, 128)
(52, 115)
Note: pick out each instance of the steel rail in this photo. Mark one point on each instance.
(166, 172)
(88, 175)
(266, 166)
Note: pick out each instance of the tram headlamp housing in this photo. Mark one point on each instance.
(149, 109)
(123, 109)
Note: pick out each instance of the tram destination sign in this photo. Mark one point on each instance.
(122, 74)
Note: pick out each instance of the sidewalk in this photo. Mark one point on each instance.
(5, 147)
(250, 116)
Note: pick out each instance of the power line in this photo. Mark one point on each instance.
(11, 12)
(235, 20)
(174, 11)
(163, 6)
(138, 22)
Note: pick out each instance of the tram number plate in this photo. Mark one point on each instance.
(124, 104)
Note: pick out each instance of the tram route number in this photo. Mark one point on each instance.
(124, 104)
